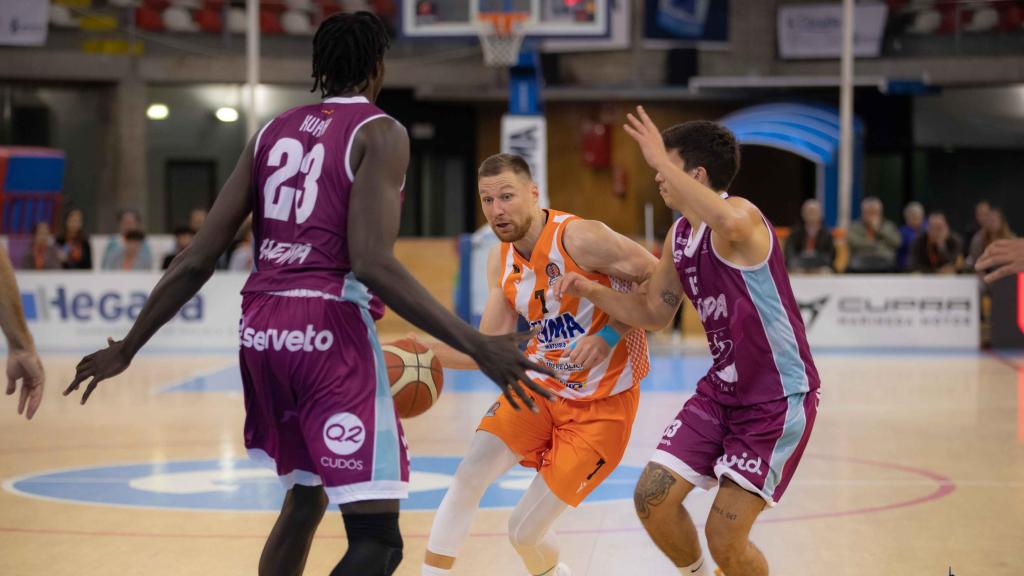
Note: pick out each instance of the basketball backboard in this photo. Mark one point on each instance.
(545, 18)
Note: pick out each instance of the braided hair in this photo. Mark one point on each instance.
(346, 51)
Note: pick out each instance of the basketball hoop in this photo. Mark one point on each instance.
(501, 35)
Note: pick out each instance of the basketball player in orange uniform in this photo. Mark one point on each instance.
(577, 440)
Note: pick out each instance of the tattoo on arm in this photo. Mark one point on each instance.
(669, 297)
(721, 512)
(652, 489)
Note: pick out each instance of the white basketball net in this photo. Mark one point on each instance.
(501, 44)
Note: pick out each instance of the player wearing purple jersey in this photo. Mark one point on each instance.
(323, 183)
(746, 427)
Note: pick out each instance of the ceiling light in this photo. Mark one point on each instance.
(157, 111)
(227, 114)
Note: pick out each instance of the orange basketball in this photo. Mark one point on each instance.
(415, 375)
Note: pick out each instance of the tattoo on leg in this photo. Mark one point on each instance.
(669, 297)
(718, 510)
(652, 489)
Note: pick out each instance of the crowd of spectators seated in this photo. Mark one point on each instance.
(925, 243)
(128, 249)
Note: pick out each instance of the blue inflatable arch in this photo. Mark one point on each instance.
(811, 132)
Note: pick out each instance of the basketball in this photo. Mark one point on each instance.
(415, 375)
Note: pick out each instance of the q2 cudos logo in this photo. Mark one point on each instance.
(344, 433)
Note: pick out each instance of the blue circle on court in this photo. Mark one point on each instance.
(242, 485)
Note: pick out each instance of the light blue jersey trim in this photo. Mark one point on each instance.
(355, 291)
(386, 455)
(792, 431)
(778, 330)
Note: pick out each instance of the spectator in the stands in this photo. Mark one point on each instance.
(809, 247)
(913, 218)
(873, 240)
(196, 218)
(937, 251)
(981, 212)
(994, 228)
(241, 256)
(131, 256)
(73, 243)
(113, 255)
(42, 254)
(182, 237)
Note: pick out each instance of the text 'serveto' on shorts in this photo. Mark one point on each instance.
(318, 406)
(574, 444)
(757, 446)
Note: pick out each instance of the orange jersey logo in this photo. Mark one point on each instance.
(529, 288)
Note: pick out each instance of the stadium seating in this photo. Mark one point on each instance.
(277, 17)
(919, 18)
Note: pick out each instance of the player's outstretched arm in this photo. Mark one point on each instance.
(22, 361)
(184, 277)
(498, 318)
(380, 155)
(651, 307)
(735, 221)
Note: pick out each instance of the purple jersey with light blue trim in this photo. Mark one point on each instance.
(752, 320)
(302, 181)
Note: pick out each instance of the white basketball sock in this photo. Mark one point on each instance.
(529, 528)
(487, 460)
(431, 571)
(699, 568)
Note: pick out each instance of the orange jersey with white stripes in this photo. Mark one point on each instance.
(528, 286)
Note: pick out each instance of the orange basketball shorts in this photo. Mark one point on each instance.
(574, 444)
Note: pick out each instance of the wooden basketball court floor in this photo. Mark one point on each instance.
(916, 466)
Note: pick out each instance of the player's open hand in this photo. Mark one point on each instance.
(573, 284)
(589, 351)
(1001, 258)
(99, 366)
(24, 365)
(647, 135)
(501, 360)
